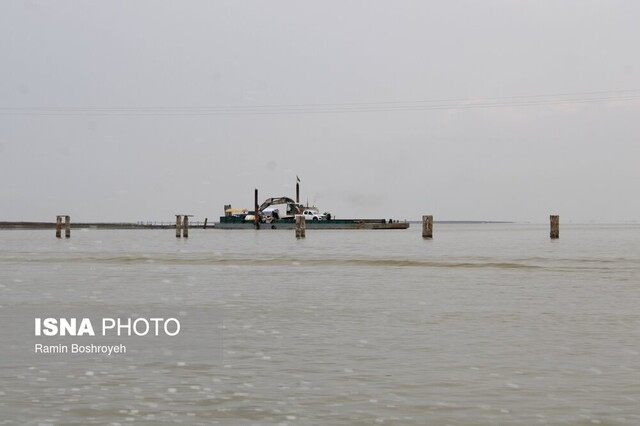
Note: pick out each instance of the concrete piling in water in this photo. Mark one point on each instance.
(67, 226)
(182, 225)
(555, 226)
(185, 226)
(178, 226)
(58, 226)
(427, 226)
(300, 227)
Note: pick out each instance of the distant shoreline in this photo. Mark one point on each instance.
(92, 225)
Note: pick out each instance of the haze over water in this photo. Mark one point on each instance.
(484, 324)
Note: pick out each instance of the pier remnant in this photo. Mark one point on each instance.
(555, 226)
(182, 225)
(427, 226)
(67, 226)
(185, 226)
(300, 227)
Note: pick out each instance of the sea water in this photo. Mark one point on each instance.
(483, 324)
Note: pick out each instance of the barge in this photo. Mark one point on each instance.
(232, 222)
(281, 212)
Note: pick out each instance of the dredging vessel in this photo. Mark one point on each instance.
(281, 212)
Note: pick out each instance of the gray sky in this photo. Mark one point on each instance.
(137, 110)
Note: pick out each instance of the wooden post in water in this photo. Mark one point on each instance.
(178, 226)
(555, 226)
(297, 192)
(67, 226)
(427, 226)
(205, 222)
(185, 226)
(58, 226)
(256, 213)
(300, 227)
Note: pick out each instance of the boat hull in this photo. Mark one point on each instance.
(234, 223)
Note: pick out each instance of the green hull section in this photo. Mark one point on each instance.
(237, 223)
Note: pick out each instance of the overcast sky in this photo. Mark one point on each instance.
(488, 110)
